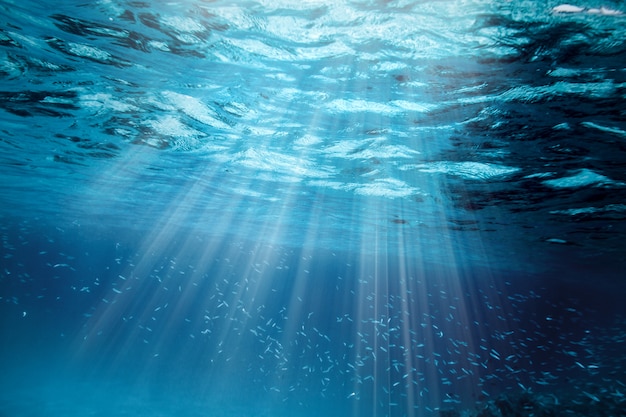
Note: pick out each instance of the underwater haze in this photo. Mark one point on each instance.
(272, 208)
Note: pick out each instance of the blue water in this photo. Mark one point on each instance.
(307, 208)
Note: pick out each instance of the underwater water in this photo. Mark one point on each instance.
(310, 208)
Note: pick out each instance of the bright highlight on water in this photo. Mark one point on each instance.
(281, 208)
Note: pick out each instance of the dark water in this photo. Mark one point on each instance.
(366, 208)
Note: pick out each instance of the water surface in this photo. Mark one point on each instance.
(303, 208)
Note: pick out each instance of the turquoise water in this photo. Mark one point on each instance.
(366, 208)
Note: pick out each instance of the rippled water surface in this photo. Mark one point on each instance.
(267, 208)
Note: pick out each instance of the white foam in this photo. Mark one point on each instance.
(414, 106)
(605, 11)
(467, 169)
(584, 177)
(607, 129)
(355, 105)
(386, 187)
(383, 187)
(293, 168)
(87, 51)
(618, 208)
(570, 8)
(172, 126)
(195, 109)
(307, 140)
(529, 94)
(567, 8)
(373, 148)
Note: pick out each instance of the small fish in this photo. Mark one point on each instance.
(593, 397)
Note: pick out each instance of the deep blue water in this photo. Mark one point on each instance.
(307, 208)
